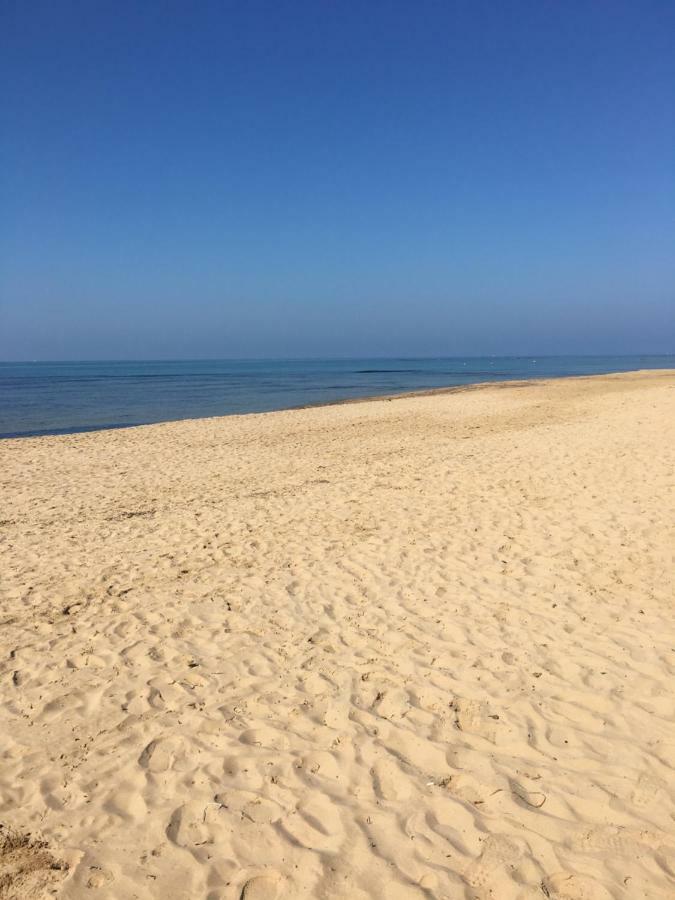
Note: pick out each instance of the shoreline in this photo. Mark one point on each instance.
(371, 398)
(474, 386)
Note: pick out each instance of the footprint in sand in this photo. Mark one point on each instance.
(244, 772)
(160, 754)
(187, 827)
(321, 769)
(391, 704)
(269, 738)
(250, 806)
(616, 839)
(316, 825)
(646, 791)
(488, 870)
(99, 877)
(332, 713)
(472, 717)
(390, 782)
(263, 887)
(57, 795)
(127, 803)
(340, 880)
(452, 820)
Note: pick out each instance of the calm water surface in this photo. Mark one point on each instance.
(65, 397)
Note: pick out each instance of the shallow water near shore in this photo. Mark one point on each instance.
(39, 398)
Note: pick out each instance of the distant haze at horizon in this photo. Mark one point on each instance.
(533, 356)
(298, 181)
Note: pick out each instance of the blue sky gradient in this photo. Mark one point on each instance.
(336, 179)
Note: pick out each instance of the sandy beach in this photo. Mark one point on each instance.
(400, 649)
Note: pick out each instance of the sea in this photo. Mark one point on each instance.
(39, 398)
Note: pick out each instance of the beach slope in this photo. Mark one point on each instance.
(400, 649)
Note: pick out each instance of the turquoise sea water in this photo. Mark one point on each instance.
(65, 397)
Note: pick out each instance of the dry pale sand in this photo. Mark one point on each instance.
(411, 649)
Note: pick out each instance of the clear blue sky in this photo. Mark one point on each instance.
(312, 178)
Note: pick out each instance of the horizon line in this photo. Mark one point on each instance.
(160, 359)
